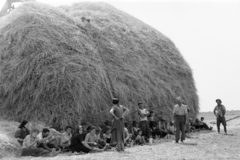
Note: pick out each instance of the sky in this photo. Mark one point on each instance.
(206, 32)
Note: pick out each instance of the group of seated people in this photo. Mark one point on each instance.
(198, 125)
(49, 141)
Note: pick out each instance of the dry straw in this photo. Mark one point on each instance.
(63, 65)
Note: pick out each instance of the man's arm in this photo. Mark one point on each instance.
(214, 111)
(126, 111)
(112, 113)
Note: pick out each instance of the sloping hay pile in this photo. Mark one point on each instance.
(62, 65)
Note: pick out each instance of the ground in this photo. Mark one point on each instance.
(201, 145)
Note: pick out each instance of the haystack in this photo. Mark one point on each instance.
(62, 65)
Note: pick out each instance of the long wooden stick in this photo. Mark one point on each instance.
(232, 118)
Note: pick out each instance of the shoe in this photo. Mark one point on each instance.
(176, 141)
(182, 141)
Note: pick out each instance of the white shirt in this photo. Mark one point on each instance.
(180, 110)
(143, 111)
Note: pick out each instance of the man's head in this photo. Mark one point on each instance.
(45, 132)
(135, 124)
(151, 113)
(115, 101)
(92, 130)
(139, 132)
(34, 132)
(179, 100)
(218, 101)
(202, 118)
(140, 105)
(80, 129)
(68, 129)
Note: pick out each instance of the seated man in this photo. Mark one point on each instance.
(92, 140)
(29, 147)
(78, 143)
(66, 137)
(47, 141)
(203, 125)
(22, 132)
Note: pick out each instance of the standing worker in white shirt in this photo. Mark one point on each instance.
(180, 117)
(143, 122)
(220, 111)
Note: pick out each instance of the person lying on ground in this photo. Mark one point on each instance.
(140, 139)
(66, 138)
(22, 132)
(203, 125)
(30, 148)
(47, 141)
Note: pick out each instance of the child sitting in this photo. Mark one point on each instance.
(140, 140)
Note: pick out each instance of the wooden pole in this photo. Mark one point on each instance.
(232, 118)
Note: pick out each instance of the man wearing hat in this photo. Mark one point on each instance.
(180, 117)
(143, 122)
(220, 111)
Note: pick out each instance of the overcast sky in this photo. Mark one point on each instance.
(207, 33)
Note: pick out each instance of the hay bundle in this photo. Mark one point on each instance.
(62, 65)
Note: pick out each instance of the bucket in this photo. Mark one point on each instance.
(150, 141)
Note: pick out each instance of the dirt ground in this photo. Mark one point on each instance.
(201, 145)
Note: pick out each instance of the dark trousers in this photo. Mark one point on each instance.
(180, 126)
(223, 121)
(36, 152)
(144, 126)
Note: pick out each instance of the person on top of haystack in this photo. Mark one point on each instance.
(180, 118)
(22, 132)
(143, 122)
(220, 111)
(118, 112)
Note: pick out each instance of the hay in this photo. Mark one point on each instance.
(63, 65)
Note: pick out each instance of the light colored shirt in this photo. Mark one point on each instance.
(219, 110)
(28, 140)
(144, 111)
(180, 110)
(66, 138)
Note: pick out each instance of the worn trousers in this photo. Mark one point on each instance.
(144, 126)
(223, 121)
(180, 122)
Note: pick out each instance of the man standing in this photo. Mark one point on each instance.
(220, 111)
(143, 123)
(180, 117)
